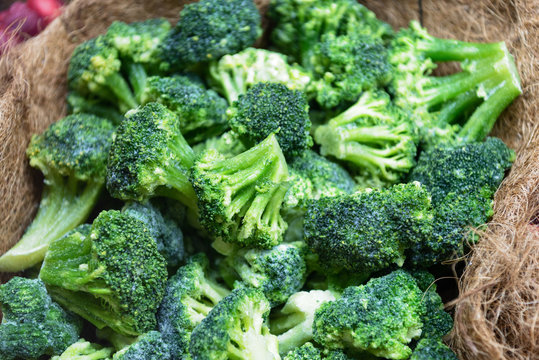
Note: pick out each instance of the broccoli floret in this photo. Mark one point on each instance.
(487, 84)
(149, 346)
(150, 157)
(268, 108)
(84, 350)
(110, 274)
(94, 69)
(77, 104)
(190, 295)
(428, 349)
(72, 155)
(240, 197)
(209, 29)
(236, 329)
(232, 75)
(279, 272)
(294, 322)
(368, 230)
(202, 112)
(374, 136)
(381, 317)
(227, 144)
(305, 352)
(33, 325)
(163, 228)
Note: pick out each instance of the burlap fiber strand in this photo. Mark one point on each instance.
(497, 314)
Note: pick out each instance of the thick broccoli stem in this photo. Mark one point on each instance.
(137, 77)
(455, 108)
(454, 50)
(232, 84)
(211, 294)
(64, 205)
(119, 87)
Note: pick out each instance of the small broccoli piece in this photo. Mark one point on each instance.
(268, 108)
(428, 349)
(150, 157)
(369, 230)
(305, 352)
(33, 325)
(209, 29)
(234, 74)
(149, 346)
(294, 322)
(240, 197)
(84, 350)
(189, 296)
(381, 317)
(236, 329)
(163, 228)
(202, 112)
(77, 104)
(227, 144)
(437, 323)
(374, 136)
(456, 108)
(279, 272)
(72, 155)
(110, 274)
(94, 69)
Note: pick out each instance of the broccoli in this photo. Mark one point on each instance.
(240, 197)
(84, 350)
(163, 228)
(457, 108)
(373, 136)
(227, 144)
(189, 296)
(209, 29)
(279, 272)
(305, 352)
(33, 325)
(428, 349)
(149, 346)
(94, 69)
(462, 181)
(381, 317)
(150, 157)
(234, 74)
(77, 104)
(202, 112)
(72, 155)
(236, 329)
(268, 108)
(111, 273)
(368, 230)
(294, 322)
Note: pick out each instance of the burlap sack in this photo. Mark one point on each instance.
(497, 314)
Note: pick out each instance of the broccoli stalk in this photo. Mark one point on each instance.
(84, 350)
(72, 156)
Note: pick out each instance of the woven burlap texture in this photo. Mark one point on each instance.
(497, 314)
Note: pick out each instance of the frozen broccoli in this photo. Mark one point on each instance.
(84, 350)
(149, 346)
(428, 349)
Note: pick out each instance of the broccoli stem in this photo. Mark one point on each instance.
(231, 86)
(64, 205)
(137, 77)
(455, 50)
(455, 108)
(178, 187)
(119, 87)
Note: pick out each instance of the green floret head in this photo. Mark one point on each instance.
(33, 325)
(150, 157)
(240, 197)
(189, 296)
(163, 228)
(149, 346)
(111, 275)
(202, 112)
(369, 230)
(381, 317)
(304, 352)
(268, 108)
(437, 323)
(227, 144)
(85, 350)
(428, 349)
(94, 69)
(234, 74)
(279, 272)
(210, 29)
(345, 66)
(236, 329)
(139, 41)
(374, 137)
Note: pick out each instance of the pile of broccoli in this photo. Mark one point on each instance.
(206, 199)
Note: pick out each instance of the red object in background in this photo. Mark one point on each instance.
(8, 38)
(20, 16)
(47, 9)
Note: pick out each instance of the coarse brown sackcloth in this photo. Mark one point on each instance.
(497, 313)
